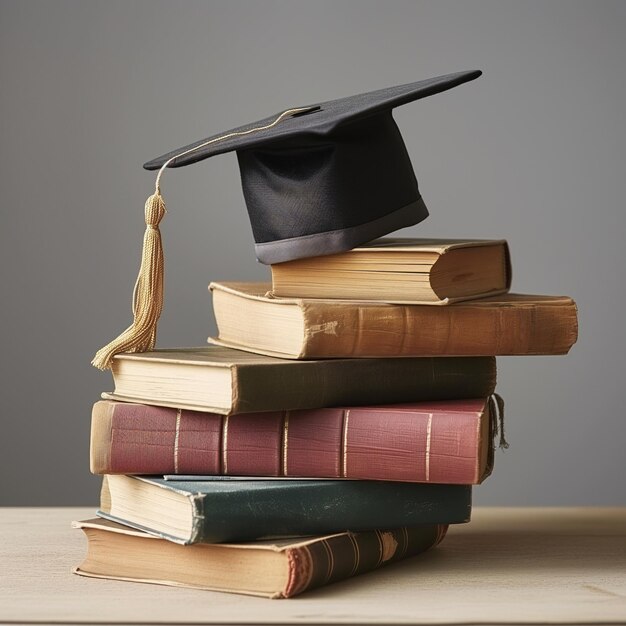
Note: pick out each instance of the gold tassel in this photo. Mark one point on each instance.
(148, 293)
(140, 336)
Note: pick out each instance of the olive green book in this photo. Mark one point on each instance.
(226, 381)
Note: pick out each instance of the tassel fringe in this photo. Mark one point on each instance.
(140, 336)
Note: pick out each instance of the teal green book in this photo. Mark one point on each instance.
(219, 511)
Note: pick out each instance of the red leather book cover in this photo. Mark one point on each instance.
(438, 442)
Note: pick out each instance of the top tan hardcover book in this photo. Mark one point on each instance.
(403, 271)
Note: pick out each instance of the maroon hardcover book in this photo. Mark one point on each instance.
(438, 442)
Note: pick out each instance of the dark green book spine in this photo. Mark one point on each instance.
(328, 383)
(258, 509)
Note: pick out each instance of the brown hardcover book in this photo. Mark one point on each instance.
(509, 324)
(225, 381)
(405, 271)
(439, 442)
(273, 569)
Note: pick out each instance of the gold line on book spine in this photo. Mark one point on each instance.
(380, 548)
(429, 426)
(285, 440)
(176, 438)
(357, 553)
(478, 439)
(225, 444)
(331, 560)
(344, 456)
(405, 535)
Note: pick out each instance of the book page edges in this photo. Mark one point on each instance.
(260, 292)
(204, 356)
(109, 524)
(252, 291)
(441, 302)
(438, 246)
(191, 407)
(173, 360)
(155, 534)
(105, 494)
(172, 583)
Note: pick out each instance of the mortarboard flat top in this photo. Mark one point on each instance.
(327, 177)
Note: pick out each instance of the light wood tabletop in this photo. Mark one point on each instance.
(509, 565)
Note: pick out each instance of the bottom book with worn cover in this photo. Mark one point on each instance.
(274, 569)
(219, 511)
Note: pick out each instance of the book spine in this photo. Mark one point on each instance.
(360, 382)
(363, 330)
(344, 556)
(438, 442)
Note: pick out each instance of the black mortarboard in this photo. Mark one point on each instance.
(325, 177)
(317, 179)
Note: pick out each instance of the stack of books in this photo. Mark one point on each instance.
(336, 424)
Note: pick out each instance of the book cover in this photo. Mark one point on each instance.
(274, 569)
(226, 381)
(218, 511)
(249, 318)
(448, 441)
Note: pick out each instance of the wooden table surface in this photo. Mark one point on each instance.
(509, 565)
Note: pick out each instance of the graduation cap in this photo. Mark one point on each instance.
(317, 179)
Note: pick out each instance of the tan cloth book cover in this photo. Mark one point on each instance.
(401, 270)
(273, 568)
(250, 318)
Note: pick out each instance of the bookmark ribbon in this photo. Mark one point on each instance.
(497, 413)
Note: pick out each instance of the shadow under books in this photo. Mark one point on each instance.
(490, 555)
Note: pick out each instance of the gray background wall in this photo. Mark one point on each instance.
(533, 151)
